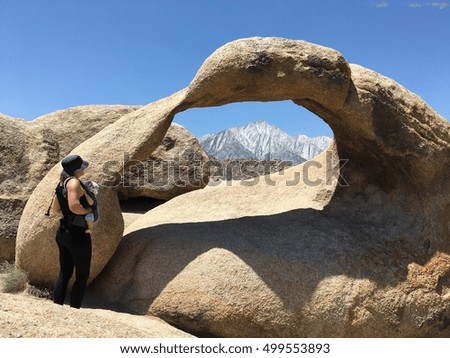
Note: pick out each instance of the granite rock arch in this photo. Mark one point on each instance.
(399, 157)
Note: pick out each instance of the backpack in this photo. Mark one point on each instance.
(69, 217)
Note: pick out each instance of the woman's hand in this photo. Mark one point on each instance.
(88, 198)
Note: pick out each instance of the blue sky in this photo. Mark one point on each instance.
(56, 54)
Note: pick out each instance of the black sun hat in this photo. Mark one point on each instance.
(72, 163)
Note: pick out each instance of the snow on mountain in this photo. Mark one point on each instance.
(262, 141)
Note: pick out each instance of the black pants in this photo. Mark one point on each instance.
(75, 251)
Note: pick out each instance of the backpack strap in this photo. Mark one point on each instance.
(51, 203)
(81, 183)
(54, 193)
(65, 184)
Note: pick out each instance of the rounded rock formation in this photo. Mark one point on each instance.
(32, 148)
(362, 250)
(105, 152)
(176, 167)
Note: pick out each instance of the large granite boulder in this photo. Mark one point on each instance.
(14, 187)
(31, 149)
(353, 244)
(105, 151)
(72, 126)
(177, 166)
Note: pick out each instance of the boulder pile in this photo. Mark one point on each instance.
(31, 149)
(352, 244)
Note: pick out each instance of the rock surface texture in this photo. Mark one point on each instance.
(177, 166)
(35, 236)
(352, 248)
(26, 316)
(31, 149)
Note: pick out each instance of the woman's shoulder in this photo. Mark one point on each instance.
(72, 184)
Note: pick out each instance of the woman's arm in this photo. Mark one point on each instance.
(74, 193)
(56, 207)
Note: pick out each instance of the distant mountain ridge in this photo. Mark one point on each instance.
(262, 141)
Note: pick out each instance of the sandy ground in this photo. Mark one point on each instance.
(23, 315)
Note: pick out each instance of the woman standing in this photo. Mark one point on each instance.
(75, 247)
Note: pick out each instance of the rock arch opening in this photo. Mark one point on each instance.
(285, 114)
(249, 139)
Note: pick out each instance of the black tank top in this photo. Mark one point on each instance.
(70, 218)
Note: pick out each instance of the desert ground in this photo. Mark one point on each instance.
(25, 316)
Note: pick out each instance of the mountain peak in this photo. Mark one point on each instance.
(262, 140)
(261, 123)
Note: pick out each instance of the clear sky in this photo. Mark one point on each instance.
(56, 54)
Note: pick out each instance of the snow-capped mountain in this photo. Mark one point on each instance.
(262, 141)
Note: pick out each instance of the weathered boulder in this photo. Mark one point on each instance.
(105, 152)
(14, 139)
(357, 248)
(31, 149)
(177, 166)
(72, 126)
